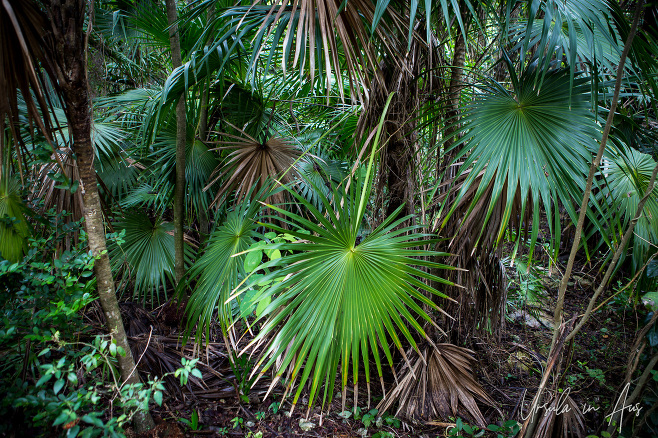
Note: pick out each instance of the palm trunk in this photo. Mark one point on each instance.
(181, 134)
(452, 110)
(402, 135)
(67, 20)
(204, 225)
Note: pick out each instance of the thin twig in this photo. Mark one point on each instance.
(136, 363)
(592, 170)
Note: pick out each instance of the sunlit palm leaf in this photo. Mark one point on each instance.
(14, 228)
(343, 301)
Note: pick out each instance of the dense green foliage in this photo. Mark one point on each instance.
(310, 127)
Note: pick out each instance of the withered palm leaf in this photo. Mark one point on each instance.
(252, 162)
(323, 38)
(24, 67)
(569, 423)
(437, 384)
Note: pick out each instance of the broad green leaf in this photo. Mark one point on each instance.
(252, 260)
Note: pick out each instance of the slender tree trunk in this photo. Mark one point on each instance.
(70, 45)
(181, 134)
(204, 224)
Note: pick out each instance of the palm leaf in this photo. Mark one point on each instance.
(200, 163)
(439, 384)
(14, 228)
(220, 269)
(627, 173)
(146, 255)
(581, 22)
(546, 135)
(22, 49)
(251, 162)
(342, 299)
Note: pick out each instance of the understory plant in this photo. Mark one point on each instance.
(57, 374)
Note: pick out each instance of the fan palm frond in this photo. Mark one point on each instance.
(627, 173)
(343, 300)
(22, 52)
(146, 255)
(438, 384)
(568, 29)
(220, 269)
(200, 162)
(547, 135)
(320, 173)
(251, 162)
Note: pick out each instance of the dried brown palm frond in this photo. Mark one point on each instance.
(436, 383)
(561, 419)
(53, 197)
(484, 292)
(24, 66)
(252, 162)
(334, 37)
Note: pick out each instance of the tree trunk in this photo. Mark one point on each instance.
(70, 46)
(181, 134)
(452, 111)
(204, 224)
(402, 136)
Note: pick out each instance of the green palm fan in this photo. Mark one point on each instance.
(344, 300)
(346, 296)
(519, 148)
(145, 258)
(219, 271)
(627, 173)
(14, 228)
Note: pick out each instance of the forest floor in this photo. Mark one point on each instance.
(508, 368)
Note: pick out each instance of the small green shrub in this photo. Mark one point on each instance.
(54, 373)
